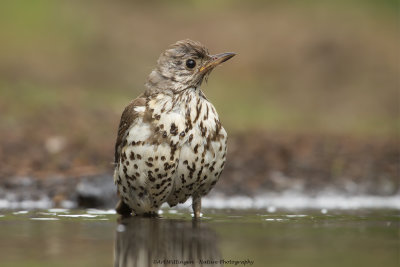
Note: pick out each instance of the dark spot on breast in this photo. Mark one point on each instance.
(174, 129)
(203, 131)
(164, 134)
(150, 159)
(149, 164)
(167, 166)
(183, 180)
(135, 166)
(196, 147)
(132, 156)
(139, 156)
(162, 158)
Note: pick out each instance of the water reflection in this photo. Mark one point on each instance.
(155, 242)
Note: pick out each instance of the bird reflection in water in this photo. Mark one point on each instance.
(164, 242)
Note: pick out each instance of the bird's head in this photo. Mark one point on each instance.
(184, 65)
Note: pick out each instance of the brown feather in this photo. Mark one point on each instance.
(127, 118)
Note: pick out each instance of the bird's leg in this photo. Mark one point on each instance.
(196, 205)
(123, 209)
(151, 214)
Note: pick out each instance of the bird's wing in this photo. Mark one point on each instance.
(127, 118)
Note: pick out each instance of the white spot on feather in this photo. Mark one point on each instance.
(139, 109)
(139, 132)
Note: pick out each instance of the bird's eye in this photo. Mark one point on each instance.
(190, 63)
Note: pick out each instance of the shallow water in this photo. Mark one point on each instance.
(62, 237)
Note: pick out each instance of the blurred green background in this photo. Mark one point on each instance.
(68, 68)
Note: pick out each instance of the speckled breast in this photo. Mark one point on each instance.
(175, 149)
(194, 125)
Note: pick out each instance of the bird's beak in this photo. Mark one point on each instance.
(216, 60)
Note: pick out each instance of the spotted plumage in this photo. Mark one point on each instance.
(171, 144)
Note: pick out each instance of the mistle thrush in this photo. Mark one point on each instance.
(171, 144)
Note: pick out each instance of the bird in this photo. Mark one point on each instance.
(170, 144)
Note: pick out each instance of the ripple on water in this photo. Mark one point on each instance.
(59, 210)
(78, 215)
(101, 212)
(20, 212)
(44, 219)
(275, 219)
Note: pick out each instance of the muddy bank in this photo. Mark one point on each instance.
(261, 162)
(257, 163)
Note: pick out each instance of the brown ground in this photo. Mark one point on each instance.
(257, 162)
(272, 162)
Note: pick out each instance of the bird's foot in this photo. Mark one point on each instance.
(151, 214)
(123, 209)
(196, 205)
